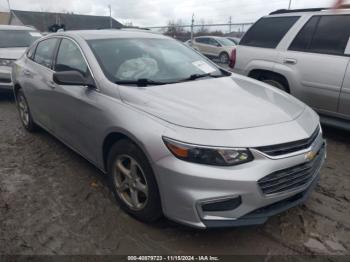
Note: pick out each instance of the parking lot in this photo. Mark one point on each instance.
(52, 201)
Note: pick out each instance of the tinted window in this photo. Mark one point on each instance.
(324, 34)
(202, 40)
(212, 42)
(225, 42)
(268, 32)
(332, 35)
(69, 58)
(44, 52)
(17, 38)
(303, 39)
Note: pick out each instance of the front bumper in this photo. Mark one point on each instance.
(186, 187)
(5, 79)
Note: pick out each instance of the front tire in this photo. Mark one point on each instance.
(132, 181)
(24, 112)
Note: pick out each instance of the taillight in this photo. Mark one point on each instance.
(233, 58)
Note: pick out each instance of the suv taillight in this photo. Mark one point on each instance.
(233, 58)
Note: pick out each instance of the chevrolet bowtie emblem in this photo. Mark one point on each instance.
(310, 155)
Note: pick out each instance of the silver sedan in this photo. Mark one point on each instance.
(176, 135)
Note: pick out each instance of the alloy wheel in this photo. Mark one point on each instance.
(23, 110)
(224, 58)
(130, 182)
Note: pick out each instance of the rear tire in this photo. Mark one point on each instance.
(132, 181)
(276, 84)
(24, 112)
(275, 81)
(224, 58)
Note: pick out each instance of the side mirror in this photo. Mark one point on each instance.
(218, 45)
(72, 78)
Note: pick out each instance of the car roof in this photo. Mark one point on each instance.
(310, 13)
(16, 27)
(210, 36)
(112, 33)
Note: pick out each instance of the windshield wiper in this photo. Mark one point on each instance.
(196, 76)
(140, 82)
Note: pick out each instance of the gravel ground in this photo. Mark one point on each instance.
(52, 201)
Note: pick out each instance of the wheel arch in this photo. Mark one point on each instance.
(258, 74)
(16, 87)
(224, 52)
(113, 137)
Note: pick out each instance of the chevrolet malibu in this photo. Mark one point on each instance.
(175, 134)
(14, 41)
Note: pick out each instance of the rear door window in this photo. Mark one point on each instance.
(324, 34)
(44, 52)
(303, 39)
(203, 40)
(268, 31)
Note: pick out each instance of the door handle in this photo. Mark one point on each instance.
(290, 61)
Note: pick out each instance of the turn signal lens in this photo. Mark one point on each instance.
(177, 150)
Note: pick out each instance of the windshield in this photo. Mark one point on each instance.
(225, 42)
(233, 40)
(17, 38)
(160, 60)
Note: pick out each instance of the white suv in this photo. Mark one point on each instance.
(303, 52)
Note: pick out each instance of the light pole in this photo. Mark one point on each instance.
(230, 24)
(192, 24)
(110, 16)
(290, 4)
(8, 3)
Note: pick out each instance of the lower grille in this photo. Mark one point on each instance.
(291, 178)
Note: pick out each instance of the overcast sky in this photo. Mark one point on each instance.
(158, 12)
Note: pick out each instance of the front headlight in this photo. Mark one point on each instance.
(208, 155)
(6, 62)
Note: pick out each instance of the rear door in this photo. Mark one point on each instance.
(317, 60)
(37, 77)
(202, 44)
(214, 47)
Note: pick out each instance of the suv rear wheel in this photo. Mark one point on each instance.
(275, 83)
(272, 79)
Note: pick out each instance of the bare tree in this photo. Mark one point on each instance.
(202, 29)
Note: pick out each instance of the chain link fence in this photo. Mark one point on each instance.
(186, 32)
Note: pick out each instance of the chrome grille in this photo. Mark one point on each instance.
(290, 147)
(293, 177)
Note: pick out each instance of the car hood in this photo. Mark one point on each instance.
(218, 103)
(12, 53)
